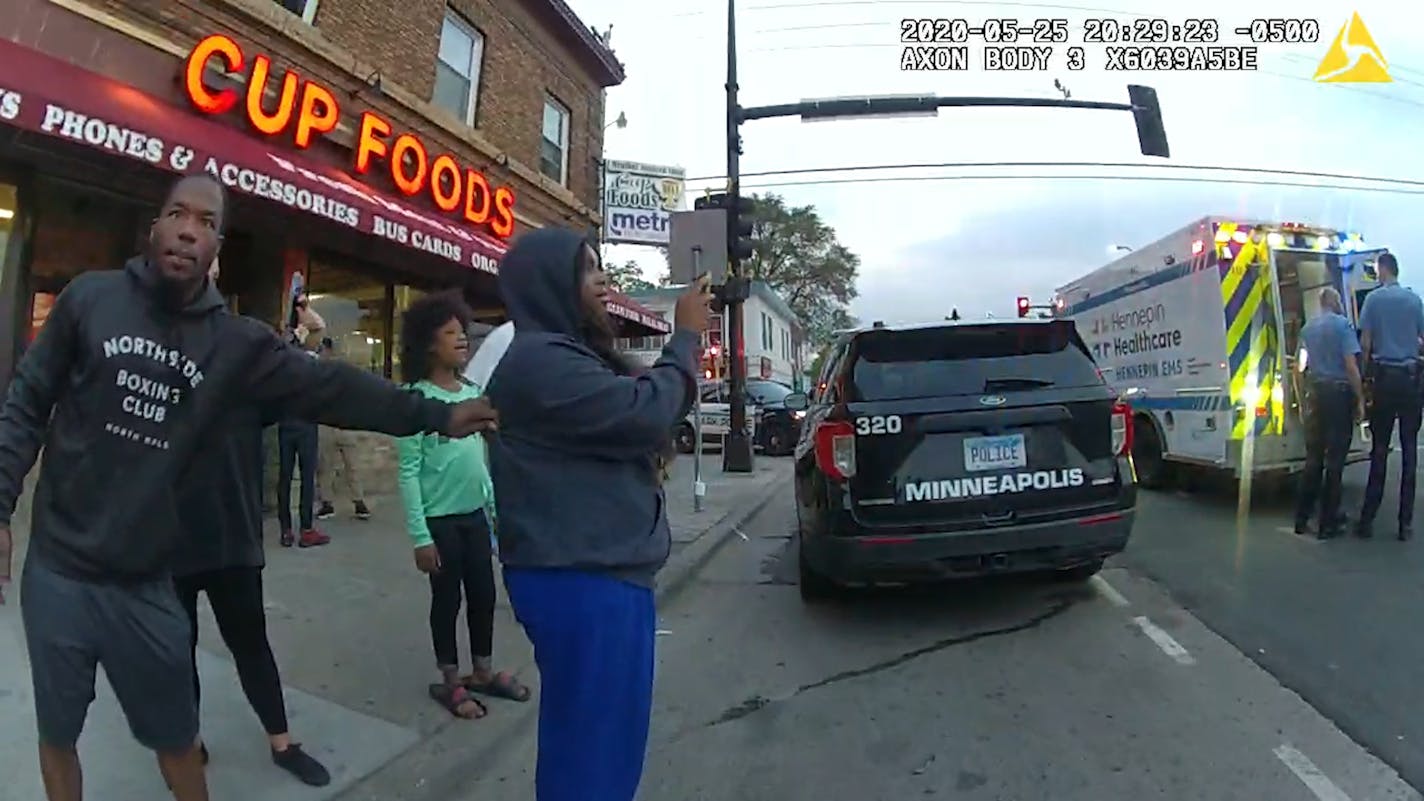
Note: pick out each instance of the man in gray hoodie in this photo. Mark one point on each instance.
(582, 520)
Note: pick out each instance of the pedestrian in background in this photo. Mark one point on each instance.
(1391, 327)
(449, 504)
(336, 450)
(220, 508)
(583, 524)
(1337, 400)
(298, 446)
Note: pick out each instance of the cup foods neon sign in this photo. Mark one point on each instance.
(306, 109)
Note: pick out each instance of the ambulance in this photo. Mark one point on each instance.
(1200, 331)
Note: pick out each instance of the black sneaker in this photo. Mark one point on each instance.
(362, 512)
(326, 511)
(300, 764)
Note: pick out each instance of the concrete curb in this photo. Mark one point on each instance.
(682, 568)
(408, 769)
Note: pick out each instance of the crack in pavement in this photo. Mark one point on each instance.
(757, 703)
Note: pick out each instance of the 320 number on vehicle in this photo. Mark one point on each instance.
(878, 424)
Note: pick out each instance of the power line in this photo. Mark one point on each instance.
(1095, 164)
(1097, 177)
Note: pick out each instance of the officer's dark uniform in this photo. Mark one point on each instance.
(1394, 319)
(1329, 341)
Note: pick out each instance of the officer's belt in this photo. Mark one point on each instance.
(1330, 383)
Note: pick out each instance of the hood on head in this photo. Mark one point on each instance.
(538, 280)
(141, 270)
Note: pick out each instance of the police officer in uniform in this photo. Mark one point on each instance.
(1337, 396)
(1391, 328)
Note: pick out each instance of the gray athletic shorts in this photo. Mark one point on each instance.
(137, 632)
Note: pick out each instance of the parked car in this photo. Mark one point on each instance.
(778, 427)
(716, 419)
(960, 449)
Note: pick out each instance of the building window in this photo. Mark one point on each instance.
(457, 70)
(554, 144)
(306, 9)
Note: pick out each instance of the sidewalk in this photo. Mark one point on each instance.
(348, 625)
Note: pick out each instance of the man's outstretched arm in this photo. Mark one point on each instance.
(337, 394)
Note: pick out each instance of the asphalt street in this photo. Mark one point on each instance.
(1337, 622)
(1009, 689)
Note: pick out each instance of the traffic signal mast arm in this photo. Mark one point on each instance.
(1142, 102)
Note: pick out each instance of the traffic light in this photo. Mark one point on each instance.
(1023, 306)
(711, 201)
(739, 230)
(739, 222)
(1147, 113)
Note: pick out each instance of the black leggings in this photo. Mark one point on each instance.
(466, 562)
(235, 595)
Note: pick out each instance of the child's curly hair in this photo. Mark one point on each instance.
(419, 323)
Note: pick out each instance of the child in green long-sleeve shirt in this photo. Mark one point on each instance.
(449, 505)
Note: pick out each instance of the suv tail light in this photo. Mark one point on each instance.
(835, 449)
(1121, 429)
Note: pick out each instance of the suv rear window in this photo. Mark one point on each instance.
(968, 360)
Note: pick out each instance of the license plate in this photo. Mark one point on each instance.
(994, 453)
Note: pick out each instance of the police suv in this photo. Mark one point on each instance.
(957, 449)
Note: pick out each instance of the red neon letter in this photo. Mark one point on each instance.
(318, 115)
(445, 163)
(477, 190)
(409, 184)
(503, 223)
(369, 142)
(204, 98)
(273, 123)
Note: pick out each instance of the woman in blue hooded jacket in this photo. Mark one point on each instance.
(578, 469)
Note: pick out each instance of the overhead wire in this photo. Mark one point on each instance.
(1069, 177)
(1041, 164)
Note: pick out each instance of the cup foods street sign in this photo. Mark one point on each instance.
(639, 200)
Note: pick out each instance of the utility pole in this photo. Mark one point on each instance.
(737, 446)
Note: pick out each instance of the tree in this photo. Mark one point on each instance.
(798, 255)
(627, 277)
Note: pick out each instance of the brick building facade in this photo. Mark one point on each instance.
(102, 102)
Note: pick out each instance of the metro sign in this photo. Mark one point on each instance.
(307, 109)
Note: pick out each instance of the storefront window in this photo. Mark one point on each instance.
(404, 296)
(9, 203)
(76, 230)
(356, 308)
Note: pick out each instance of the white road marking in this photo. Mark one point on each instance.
(1169, 646)
(1108, 591)
(1309, 775)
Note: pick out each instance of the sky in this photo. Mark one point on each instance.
(975, 244)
